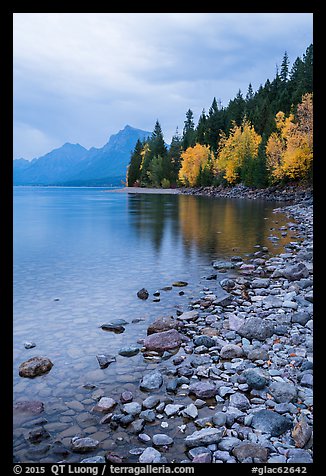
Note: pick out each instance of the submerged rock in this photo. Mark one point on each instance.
(38, 434)
(32, 407)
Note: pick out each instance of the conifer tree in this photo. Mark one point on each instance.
(133, 175)
(189, 136)
(174, 156)
(201, 130)
(285, 68)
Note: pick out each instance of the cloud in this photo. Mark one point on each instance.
(32, 141)
(80, 77)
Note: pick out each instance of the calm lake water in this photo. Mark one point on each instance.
(80, 256)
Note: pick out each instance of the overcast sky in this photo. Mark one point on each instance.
(80, 77)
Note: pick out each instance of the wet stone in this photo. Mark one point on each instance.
(35, 366)
(104, 360)
(126, 397)
(143, 294)
(113, 327)
(133, 408)
(151, 381)
(83, 445)
(104, 405)
(179, 284)
(129, 351)
(29, 345)
(151, 402)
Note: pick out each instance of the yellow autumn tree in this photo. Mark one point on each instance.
(194, 159)
(289, 151)
(240, 146)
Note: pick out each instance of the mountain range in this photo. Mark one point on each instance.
(73, 165)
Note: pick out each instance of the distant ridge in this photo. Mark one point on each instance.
(73, 165)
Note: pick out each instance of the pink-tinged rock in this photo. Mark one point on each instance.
(104, 405)
(301, 433)
(161, 341)
(202, 458)
(32, 407)
(162, 324)
(35, 366)
(113, 457)
(247, 268)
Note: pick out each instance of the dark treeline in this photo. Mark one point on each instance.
(154, 164)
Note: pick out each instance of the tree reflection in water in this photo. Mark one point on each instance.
(216, 227)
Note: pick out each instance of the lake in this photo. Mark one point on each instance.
(80, 256)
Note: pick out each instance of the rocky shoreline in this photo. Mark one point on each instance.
(240, 375)
(293, 193)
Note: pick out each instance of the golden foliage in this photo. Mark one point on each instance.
(194, 158)
(289, 151)
(242, 143)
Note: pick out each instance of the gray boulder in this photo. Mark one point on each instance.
(206, 436)
(256, 378)
(203, 389)
(151, 381)
(256, 328)
(283, 392)
(231, 351)
(271, 422)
